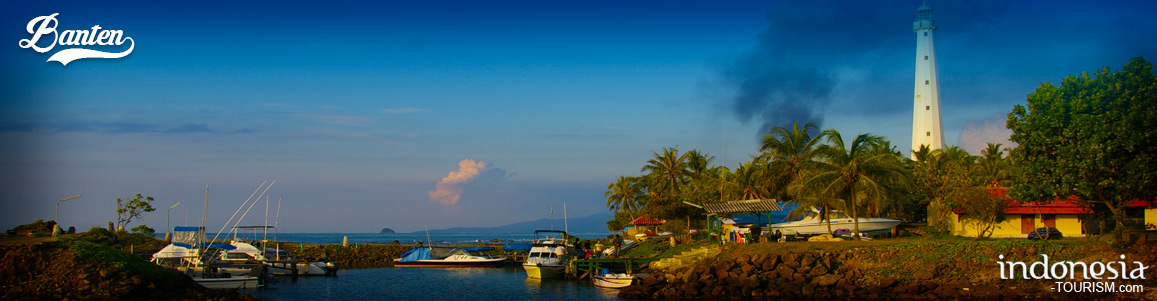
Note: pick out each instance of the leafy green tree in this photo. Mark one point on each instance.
(132, 208)
(143, 230)
(1094, 137)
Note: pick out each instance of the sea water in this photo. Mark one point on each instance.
(505, 283)
(382, 238)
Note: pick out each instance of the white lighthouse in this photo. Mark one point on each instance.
(926, 128)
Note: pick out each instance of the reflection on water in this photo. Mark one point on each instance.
(507, 283)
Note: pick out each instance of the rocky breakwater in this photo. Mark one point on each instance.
(906, 271)
(351, 256)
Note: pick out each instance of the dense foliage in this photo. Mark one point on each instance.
(1094, 137)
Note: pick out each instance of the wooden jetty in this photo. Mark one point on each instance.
(585, 268)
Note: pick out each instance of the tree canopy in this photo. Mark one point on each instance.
(1094, 137)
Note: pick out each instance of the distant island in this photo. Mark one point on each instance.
(387, 230)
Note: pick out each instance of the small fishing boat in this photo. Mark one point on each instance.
(461, 257)
(813, 224)
(612, 280)
(549, 255)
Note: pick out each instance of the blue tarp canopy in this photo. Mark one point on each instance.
(517, 247)
(183, 245)
(416, 254)
(770, 217)
(222, 246)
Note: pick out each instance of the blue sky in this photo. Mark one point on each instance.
(359, 109)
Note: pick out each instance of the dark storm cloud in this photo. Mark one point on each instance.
(801, 57)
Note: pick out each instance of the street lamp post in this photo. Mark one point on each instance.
(168, 228)
(56, 228)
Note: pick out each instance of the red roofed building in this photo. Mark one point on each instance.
(1020, 219)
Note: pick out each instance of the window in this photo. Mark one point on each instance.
(929, 134)
(926, 108)
(925, 57)
(925, 33)
(925, 82)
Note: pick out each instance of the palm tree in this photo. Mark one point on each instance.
(669, 172)
(853, 173)
(788, 152)
(625, 194)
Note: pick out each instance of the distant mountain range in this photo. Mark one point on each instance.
(588, 224)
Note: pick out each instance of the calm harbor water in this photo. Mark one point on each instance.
(403, 238)
(506, 283)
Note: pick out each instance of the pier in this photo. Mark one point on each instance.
(585, 268)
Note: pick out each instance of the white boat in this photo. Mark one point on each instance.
(280, 263)
(187, 259)
(609, 280)
(548, 256)
(443, 257)
(813, 224)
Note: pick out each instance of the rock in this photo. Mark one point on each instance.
(923, 275)
(826, 280)
(747, 268)
(387, 230)
(807, 260)
(817, 271)
(886, 282)
(784, 271)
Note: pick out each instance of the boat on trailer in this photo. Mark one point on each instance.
(445, 257)
(813, 224)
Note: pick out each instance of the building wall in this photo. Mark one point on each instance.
(1151, 219)
(1068, 224)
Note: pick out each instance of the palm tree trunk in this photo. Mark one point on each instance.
(855, 216)
(828, 218)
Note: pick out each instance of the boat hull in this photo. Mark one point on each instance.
(489, 263)
(867, 225)
(613, 280)
(229, 282)
(544, 271)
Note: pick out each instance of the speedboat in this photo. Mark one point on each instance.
(448, 257)
(813, 224)
(548, 256)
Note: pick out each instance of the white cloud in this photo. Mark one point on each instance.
(976, 134)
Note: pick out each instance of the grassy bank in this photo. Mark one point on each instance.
(87, 270)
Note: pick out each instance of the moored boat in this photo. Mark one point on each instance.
(611, 280)
(549, 256)
(188, 256)
(448, 257)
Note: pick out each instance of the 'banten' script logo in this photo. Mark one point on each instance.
(43, 26)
